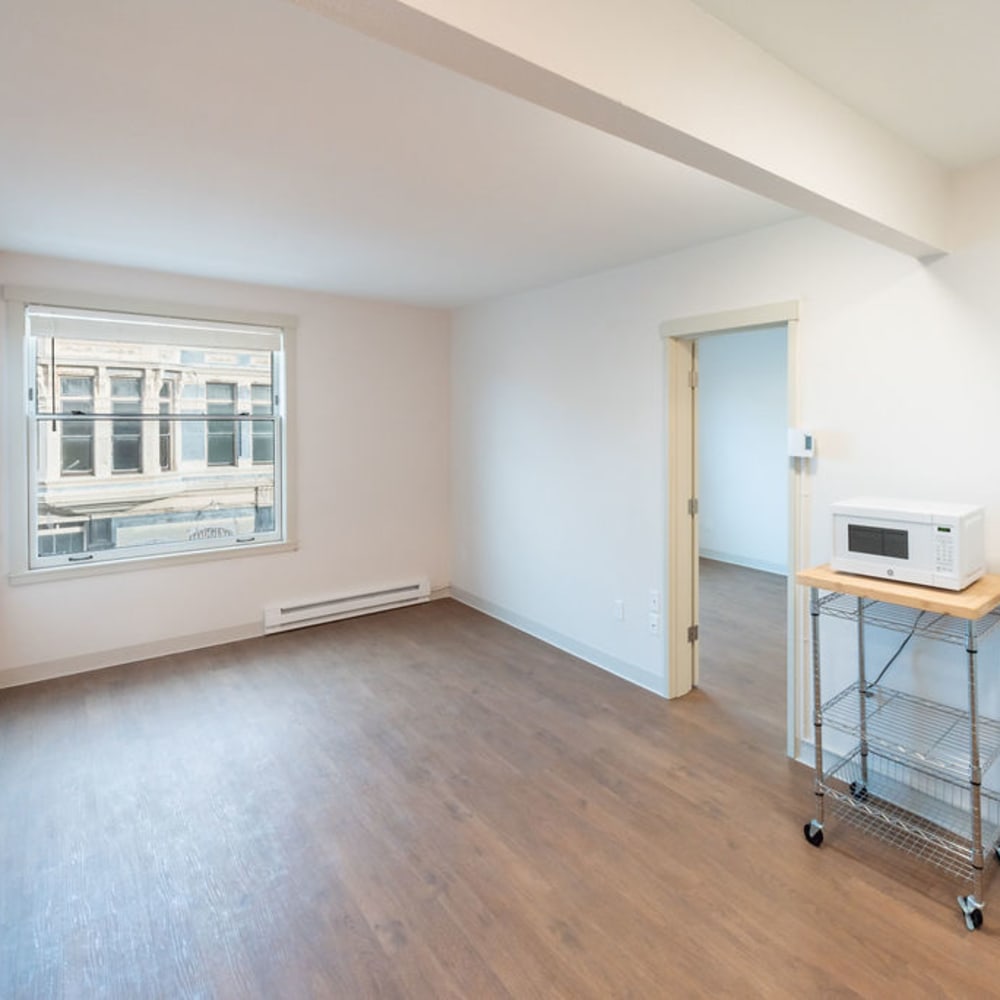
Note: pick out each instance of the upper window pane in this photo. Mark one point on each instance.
(126, 387)
(206, 376)
(148, 443)
(76, 387)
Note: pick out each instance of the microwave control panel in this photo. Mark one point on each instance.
(944, 549)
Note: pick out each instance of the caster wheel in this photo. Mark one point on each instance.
(859, 791)
(972, 913)
(813, 835)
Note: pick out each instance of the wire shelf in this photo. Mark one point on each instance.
(928, 818)
(898, 618)
(924, 733)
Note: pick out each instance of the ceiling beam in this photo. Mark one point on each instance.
(667, 76)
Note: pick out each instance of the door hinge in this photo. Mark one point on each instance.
(692, 379)
(692, 633)
(693, 506)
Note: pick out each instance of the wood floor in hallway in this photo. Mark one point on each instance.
(429, 804)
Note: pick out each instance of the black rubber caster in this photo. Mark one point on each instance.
(814, 836)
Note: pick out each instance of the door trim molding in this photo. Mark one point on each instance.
(678, 335)
(682, 596)
(730, 320)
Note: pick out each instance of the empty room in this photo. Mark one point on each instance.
(443, 525)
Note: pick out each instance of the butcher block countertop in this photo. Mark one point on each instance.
(977, 600)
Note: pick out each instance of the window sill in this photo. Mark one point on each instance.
(78, 571)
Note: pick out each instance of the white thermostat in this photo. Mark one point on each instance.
(800, 443)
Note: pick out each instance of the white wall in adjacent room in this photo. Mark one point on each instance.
(371, 404)
(742, 448)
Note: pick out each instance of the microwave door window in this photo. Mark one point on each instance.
(896, 544)
(871, 541)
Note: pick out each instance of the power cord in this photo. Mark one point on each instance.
(892, 659)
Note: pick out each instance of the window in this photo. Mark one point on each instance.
(221, 399)
(263, 433)
(126, 435)
(151, 435)
(76, 393)
(166, 437)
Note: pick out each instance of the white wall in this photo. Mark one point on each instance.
(371, 490)
(557, 440)
(742, 448)
(559, 435)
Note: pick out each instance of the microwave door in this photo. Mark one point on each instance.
(869, 540)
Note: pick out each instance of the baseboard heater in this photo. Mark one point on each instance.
(348, 605)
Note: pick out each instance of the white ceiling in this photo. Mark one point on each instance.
(927, 70)
(256, 140)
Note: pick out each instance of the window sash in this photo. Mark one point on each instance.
(255, 516)
(50, 372)
(95, 324)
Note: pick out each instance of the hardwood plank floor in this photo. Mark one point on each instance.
(427, 803)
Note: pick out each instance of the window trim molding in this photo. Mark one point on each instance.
(15, 444)
(62, 299)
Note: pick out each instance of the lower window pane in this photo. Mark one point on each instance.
(126, 451)
(61, 540)
(221, 443)
(193, 504)
(263, 442)
(165, 445)
(78, 450)
(100, 534)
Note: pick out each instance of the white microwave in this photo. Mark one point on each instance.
(935, 544)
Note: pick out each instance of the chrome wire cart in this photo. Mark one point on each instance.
(913, 778)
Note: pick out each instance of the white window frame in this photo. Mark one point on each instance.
(21, 562)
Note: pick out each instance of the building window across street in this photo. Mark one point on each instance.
(221, 400)
(263, 432)
(126, 435)
(77, 439)
(151, 435)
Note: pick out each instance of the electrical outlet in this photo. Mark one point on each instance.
(654, 623)
(654, 600)
(618, 610)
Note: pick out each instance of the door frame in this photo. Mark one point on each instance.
(679, 336)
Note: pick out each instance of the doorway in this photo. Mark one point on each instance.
(684, 508)
(741, 475)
